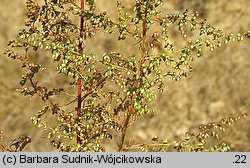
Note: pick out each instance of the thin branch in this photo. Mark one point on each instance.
(136, 85)
(79, 82)
(74, 4)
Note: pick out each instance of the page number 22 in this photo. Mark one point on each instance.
(240, 159)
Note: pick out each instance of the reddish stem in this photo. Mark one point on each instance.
(137, 83)
(79, 82)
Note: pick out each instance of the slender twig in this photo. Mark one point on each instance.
(136, 85)
(90, 91)
(79, 82)
(69, 94)
(74, 4)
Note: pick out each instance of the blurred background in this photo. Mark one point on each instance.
(218, 87)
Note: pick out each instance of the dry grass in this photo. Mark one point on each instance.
(218, 87)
